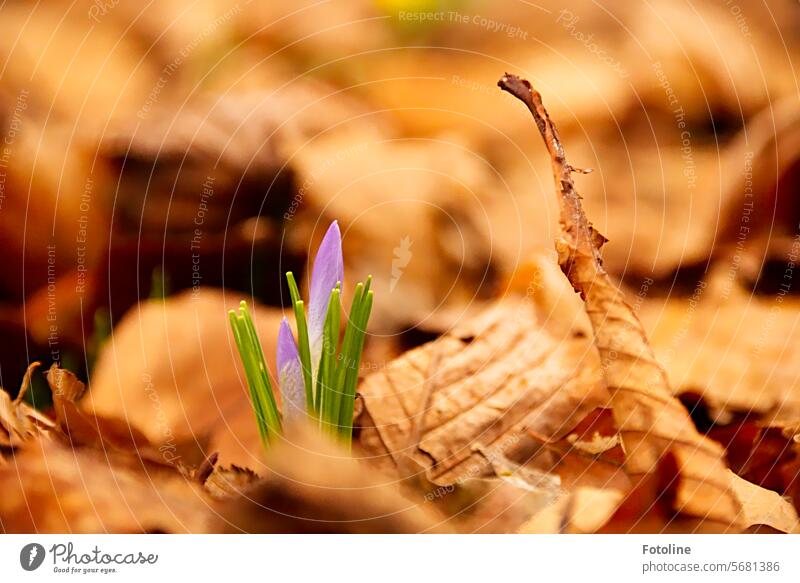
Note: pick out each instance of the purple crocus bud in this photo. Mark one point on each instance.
(290, 375)
(328, 271)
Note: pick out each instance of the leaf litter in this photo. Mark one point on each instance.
(581, 424)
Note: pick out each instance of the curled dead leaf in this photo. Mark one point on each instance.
(82, 428)
(650, 420)
(18, 420)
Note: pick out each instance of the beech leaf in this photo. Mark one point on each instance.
(488, 383)
(650, 420)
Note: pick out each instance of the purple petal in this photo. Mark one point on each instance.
(290, 375)
(328, 271)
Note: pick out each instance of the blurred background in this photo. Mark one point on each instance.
(161, 161)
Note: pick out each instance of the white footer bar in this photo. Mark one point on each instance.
(386, 559)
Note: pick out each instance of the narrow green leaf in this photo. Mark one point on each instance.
(238, 336)
(302, 341)
(368, 284)
(356, 349)
(294, 291)
(261, 366)
(257, 374)
(327, 371)
(344, 357)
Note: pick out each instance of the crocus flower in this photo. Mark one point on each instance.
(313, 380)
(328, 272)
(326, 275)
(290, 375)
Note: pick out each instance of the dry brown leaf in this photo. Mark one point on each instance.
(650, 507)
(666, 163)
(51, 488)
(18, 420)
(721, 82)
(498, 504)
(650, 420)
(647, 507)
(486, 383)
(591, 455)
(168, 163)
(521, 477)
(598, 434)
(82, 428)
(108, 77)
(596, 445)
(764, 507)
(739, 351)
(641, 195)
(224, 483)
(200, 185)
(764, 453)
(582, 512)
(759, 207)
